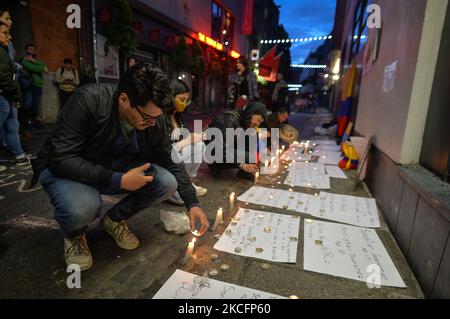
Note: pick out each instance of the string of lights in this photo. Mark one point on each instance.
(310, 39)
(309, 66)
(297, 40)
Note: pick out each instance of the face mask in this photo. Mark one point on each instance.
(180, 106)
(32, 54)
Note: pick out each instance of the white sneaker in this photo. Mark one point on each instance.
(200, 191)
(76, 251)
(124, 238)
(176, 199)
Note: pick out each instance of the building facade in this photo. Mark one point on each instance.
(400, 98)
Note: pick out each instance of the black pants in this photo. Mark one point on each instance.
(63, 97)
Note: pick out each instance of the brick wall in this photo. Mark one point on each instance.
(53, 40)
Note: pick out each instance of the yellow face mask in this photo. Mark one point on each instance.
(180, 105)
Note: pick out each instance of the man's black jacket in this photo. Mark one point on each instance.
(86, 129)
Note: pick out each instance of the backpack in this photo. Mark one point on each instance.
(24, 77)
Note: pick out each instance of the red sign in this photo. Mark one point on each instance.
(155, 35)
(247, 17)
(170, 42)
(137, 26)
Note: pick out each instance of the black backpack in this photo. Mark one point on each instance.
(24, 77)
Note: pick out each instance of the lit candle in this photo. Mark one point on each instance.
(190, 249)
(218, 219)
(283, 148)
(272, 161)
(256, 178)
(232, 201)
(266, 164)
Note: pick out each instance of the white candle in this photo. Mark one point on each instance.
(256, 178)
(266, 164)
(272, 161)
(190, 249)
(232, 201)
(218, 219)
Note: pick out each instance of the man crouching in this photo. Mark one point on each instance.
(104, 143)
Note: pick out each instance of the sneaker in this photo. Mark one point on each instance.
(124, 238)
(200, 191)
(76, 251)
(176, 199)
(26, 161)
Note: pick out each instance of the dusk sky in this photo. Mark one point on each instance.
(306, 18)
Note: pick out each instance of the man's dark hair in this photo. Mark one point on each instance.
(242, 59)
(282, 110)
(68, 61)
(143, 83)
(3, 9)
(29, 46)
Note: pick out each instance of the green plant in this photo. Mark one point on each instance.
(198, 62)
(120, 34)
(180, 56)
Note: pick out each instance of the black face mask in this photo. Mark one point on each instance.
(32, 54)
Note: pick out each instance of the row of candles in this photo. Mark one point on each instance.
(219, 216)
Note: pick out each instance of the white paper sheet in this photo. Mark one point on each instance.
(298, 202)
(335, 172)
(262, 235)
(330, 158)
(349, 252)
(184, 285)
(346, 209)
(309, 175)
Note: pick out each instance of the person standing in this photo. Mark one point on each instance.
(243, 85)
(33, 97)
(279, 96)
(10, 100)
(67, 79)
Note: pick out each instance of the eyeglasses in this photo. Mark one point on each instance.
(147, 118)
(185, 100)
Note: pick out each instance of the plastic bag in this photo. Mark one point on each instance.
(174, 222)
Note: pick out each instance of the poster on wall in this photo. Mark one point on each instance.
(372, 50)
(107, 59)
(390, 73)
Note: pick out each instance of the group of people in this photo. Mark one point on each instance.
(21, 90)
(11, 97)
(119, 140)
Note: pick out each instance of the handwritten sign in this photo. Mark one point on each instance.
(309, 175)
(330, 158)
(346, 209)
(262, 235)
(278, 198)
(184, 285)
(349, 252)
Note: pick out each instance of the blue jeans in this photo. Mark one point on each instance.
(32, 100)
(77, 205)
(10, 126)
